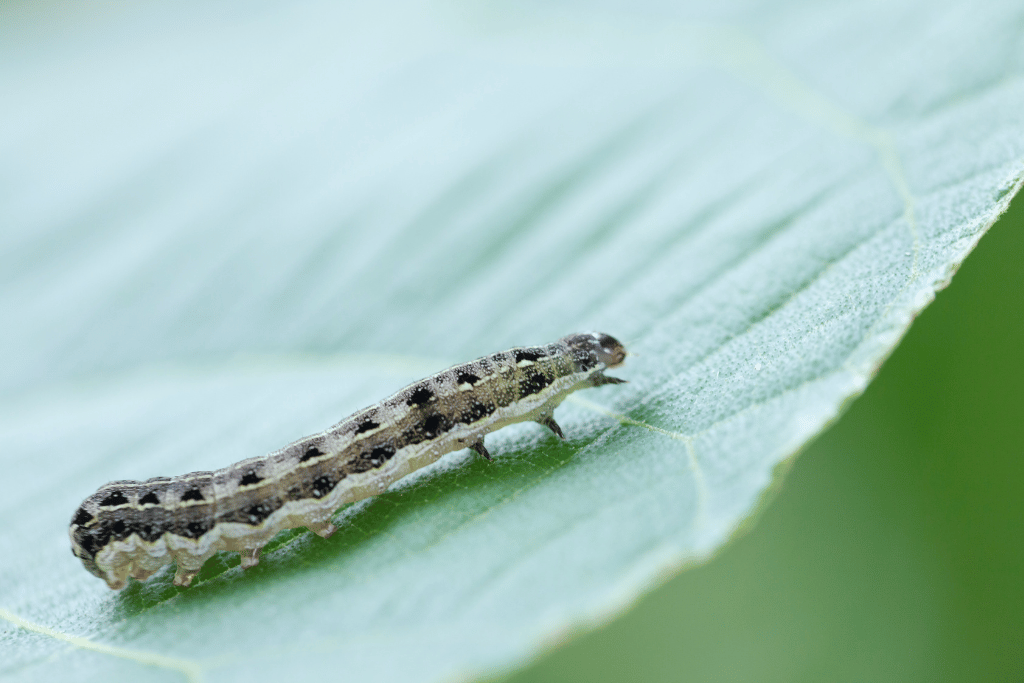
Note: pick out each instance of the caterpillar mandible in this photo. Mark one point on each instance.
(132, 528)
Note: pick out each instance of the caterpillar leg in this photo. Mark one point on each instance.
(142, 573)
(116, 580)
(480, 449)
(184, 576)
(599, 379)
(549, 422)
(250, 557)
(321, 529)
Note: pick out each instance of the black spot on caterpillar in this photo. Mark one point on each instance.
(467, 378)
(113, 499)
(250, 478)
(131, 529)
(381, 453)
(82, 517)
(322, 485)
(533, 382)
(149, 499)
(475, 411)
(529, 355)
(310, 454)
(434, 424)
(367, 425)
(420, 396)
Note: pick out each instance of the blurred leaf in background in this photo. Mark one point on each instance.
(228, 226)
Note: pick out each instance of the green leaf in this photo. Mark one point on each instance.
(228, 232)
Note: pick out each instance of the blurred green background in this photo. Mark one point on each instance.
(894, 549)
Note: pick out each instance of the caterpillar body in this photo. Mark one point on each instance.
(132, 528)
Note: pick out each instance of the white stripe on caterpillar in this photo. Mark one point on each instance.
(132, 528)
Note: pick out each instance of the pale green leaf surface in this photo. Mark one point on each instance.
(227, 227)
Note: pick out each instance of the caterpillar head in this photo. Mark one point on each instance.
(592, 348)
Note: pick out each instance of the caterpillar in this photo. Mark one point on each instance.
(132, 528)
